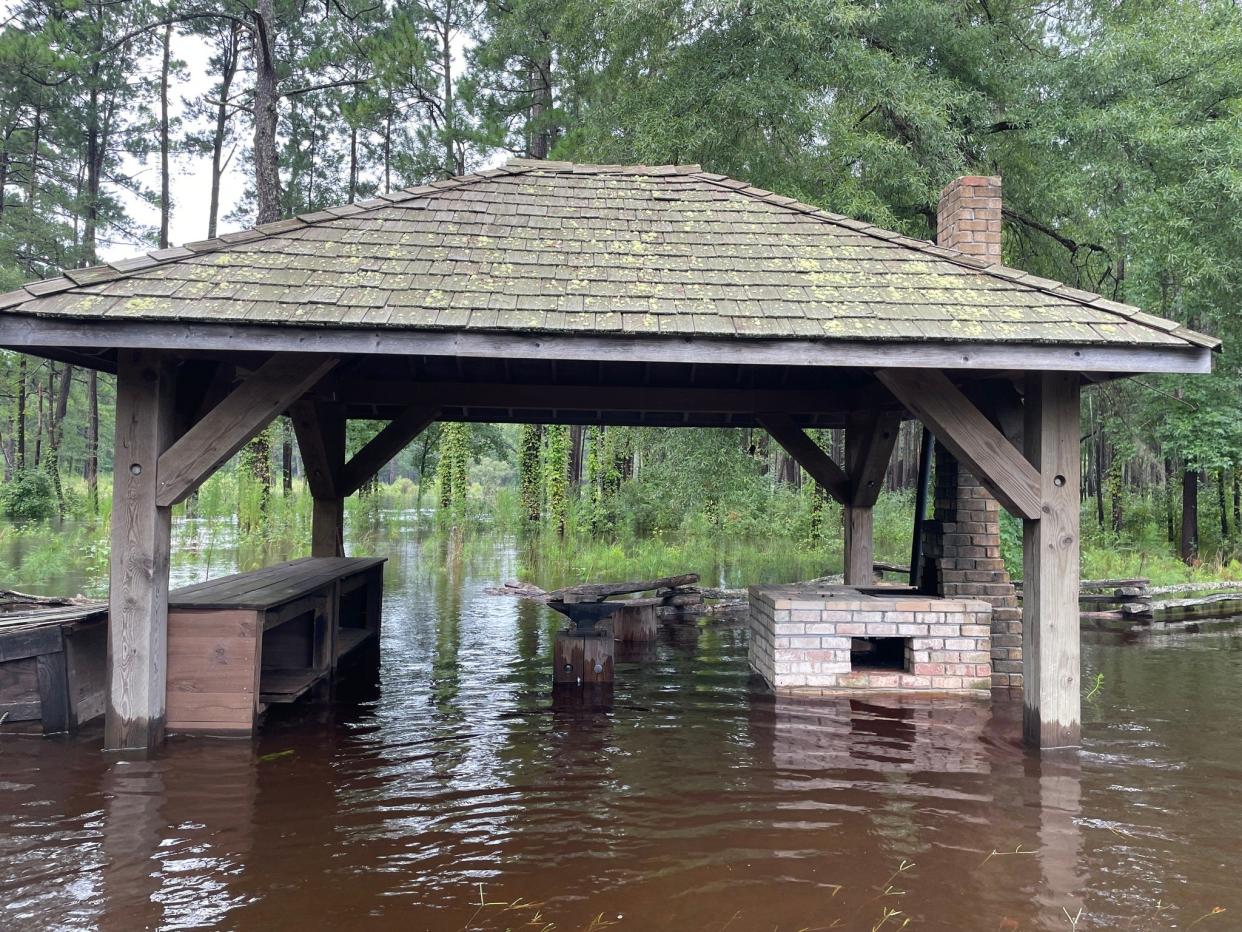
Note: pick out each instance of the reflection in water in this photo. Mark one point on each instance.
(453, 790)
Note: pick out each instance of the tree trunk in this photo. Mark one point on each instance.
(92, 439)
(227, 71)
(1168, 500)
(20, 390)
(266, 114)
(1190, 516)
(1224, 507)
(286, 456)
(165, 202)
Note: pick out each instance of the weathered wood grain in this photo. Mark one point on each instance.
(138, 597)
(1050, 623)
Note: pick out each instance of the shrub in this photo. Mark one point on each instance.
(28, 496)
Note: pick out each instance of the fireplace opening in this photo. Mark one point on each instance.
(878, 653)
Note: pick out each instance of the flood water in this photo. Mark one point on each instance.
(455, 793)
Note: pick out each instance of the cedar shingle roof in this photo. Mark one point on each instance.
(552, 247)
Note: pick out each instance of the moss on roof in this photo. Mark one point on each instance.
(554, 247)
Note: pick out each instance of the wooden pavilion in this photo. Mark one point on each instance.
(590, 294)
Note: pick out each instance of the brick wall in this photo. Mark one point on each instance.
(968, 218)
(962, 560)
(800, 640)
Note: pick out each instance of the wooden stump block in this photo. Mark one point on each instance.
(582, 659)
(636, 622)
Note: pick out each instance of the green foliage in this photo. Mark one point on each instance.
(28, 496)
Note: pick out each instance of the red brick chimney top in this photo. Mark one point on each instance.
(969, 217)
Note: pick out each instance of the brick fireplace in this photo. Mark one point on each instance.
(832, 638)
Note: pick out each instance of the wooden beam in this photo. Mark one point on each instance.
(549, 397)
(227, 427)
(141, 538)
(320, 430)
(807, 454)
(390, 441)
(869, 440)
(27, 333)
(969, 436)
(1050, 623)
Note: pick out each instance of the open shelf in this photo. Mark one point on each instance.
(349, 639)
(283, 686)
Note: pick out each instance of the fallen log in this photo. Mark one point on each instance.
(13, 597)
(597, 592)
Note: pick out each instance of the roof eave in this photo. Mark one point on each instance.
(28, 333)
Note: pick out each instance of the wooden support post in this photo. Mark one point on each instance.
(859, 546)
(636, 621)
(328, 527)
(141, 538)
(869, 442)
(582, 659)
(1050, 648)
(320, 429)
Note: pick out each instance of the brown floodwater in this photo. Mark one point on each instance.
(452, 791)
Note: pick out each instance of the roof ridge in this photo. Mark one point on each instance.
(995, 269)
(122, 268)
(549, 166)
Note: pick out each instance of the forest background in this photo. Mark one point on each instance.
(1117, 128)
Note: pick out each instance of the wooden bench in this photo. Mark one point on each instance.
(240, 643)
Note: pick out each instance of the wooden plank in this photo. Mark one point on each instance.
(969, 436)
(19, 684)
(390, 441)
(54, 701)
(86, 658)
(227, 427)
(869, 440)
(271, 586)
(1050, 624)
(808, 454)
(29, 642)
(31, 333)
(138, 578)
(320, 430)
(282, 686)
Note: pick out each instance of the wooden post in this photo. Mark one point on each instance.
(141, 538)
(583, 659)
(869, 441)
(636, 621)
(328, 527)
(1050, 648)
(320, 429)
(859, 546)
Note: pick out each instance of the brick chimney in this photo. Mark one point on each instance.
(961, 543)
(969, 217)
